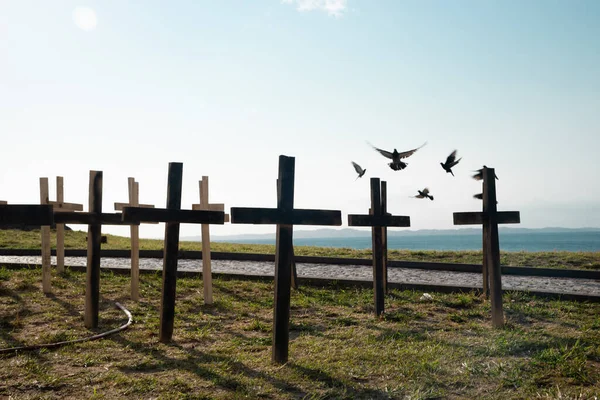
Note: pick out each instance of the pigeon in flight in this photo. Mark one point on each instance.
(358, 170)
(424, 194)
(479, 175)
(396, 157)
(451, 161)
(480, 197)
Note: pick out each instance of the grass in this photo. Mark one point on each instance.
(555, 259)
(444, 348)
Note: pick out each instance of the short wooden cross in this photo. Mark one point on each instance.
(58, 206)
(377, 220)
(490, 218)
(94, 219)
(173, 216)
(285, 217)
(134, 201)
(206, 268)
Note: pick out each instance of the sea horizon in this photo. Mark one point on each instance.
(530, 240)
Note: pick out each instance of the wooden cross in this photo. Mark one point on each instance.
(134, 201)
(58, 206)
(94, 218)
(285, 217)
(206, 268)
(377, 220)
(490, 218)
(173, 216)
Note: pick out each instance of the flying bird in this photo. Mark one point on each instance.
(359, 170)
(451, 161)
(479, 175)
(424, 194)
(480, 197)
(396, 157)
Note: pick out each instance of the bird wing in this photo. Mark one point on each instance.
(357, 168)
(454, 163)
(409, 153)
(451, 158)
(419, 196)
(383, 152)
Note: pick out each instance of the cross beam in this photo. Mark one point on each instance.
(378, 220)
(284, 216)
(26, 214)
(173, 216)
(278, 216)
(205, 231)
(490, 217)
(133, 188)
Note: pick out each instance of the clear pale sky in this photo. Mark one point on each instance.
(227, 86)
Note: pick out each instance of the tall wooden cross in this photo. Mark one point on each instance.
(206, 268)
(173, 216)
(285, 217)
(58, 206)
(94, 219)
(377, 220)
(490, 218)
(134, 201)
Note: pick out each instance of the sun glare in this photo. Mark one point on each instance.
(85, 18)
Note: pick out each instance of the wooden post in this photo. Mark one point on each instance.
(133, 189)
(376, 235)
(379, 219)
(493, 243)
(285, 247)
(490, 218)
(173, 216)
(285, 216)
(205, 231)
(134, 230)
(60, 229)
(45, 232)
(92, 291)
(294, 275)
(171, 249)
(484, 263)
(384, 244)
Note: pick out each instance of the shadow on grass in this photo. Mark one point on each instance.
(199, 363)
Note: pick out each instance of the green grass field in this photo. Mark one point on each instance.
(444, 348)
(558, 259)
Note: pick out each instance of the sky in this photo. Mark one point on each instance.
(225, 87)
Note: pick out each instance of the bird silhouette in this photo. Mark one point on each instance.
(480, 197)
(451, 161)
(479, 175)
(359, 170)
(396, 157)
(424, 194)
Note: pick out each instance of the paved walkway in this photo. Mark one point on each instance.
(350, 272)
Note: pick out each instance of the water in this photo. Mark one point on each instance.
(534, 241)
